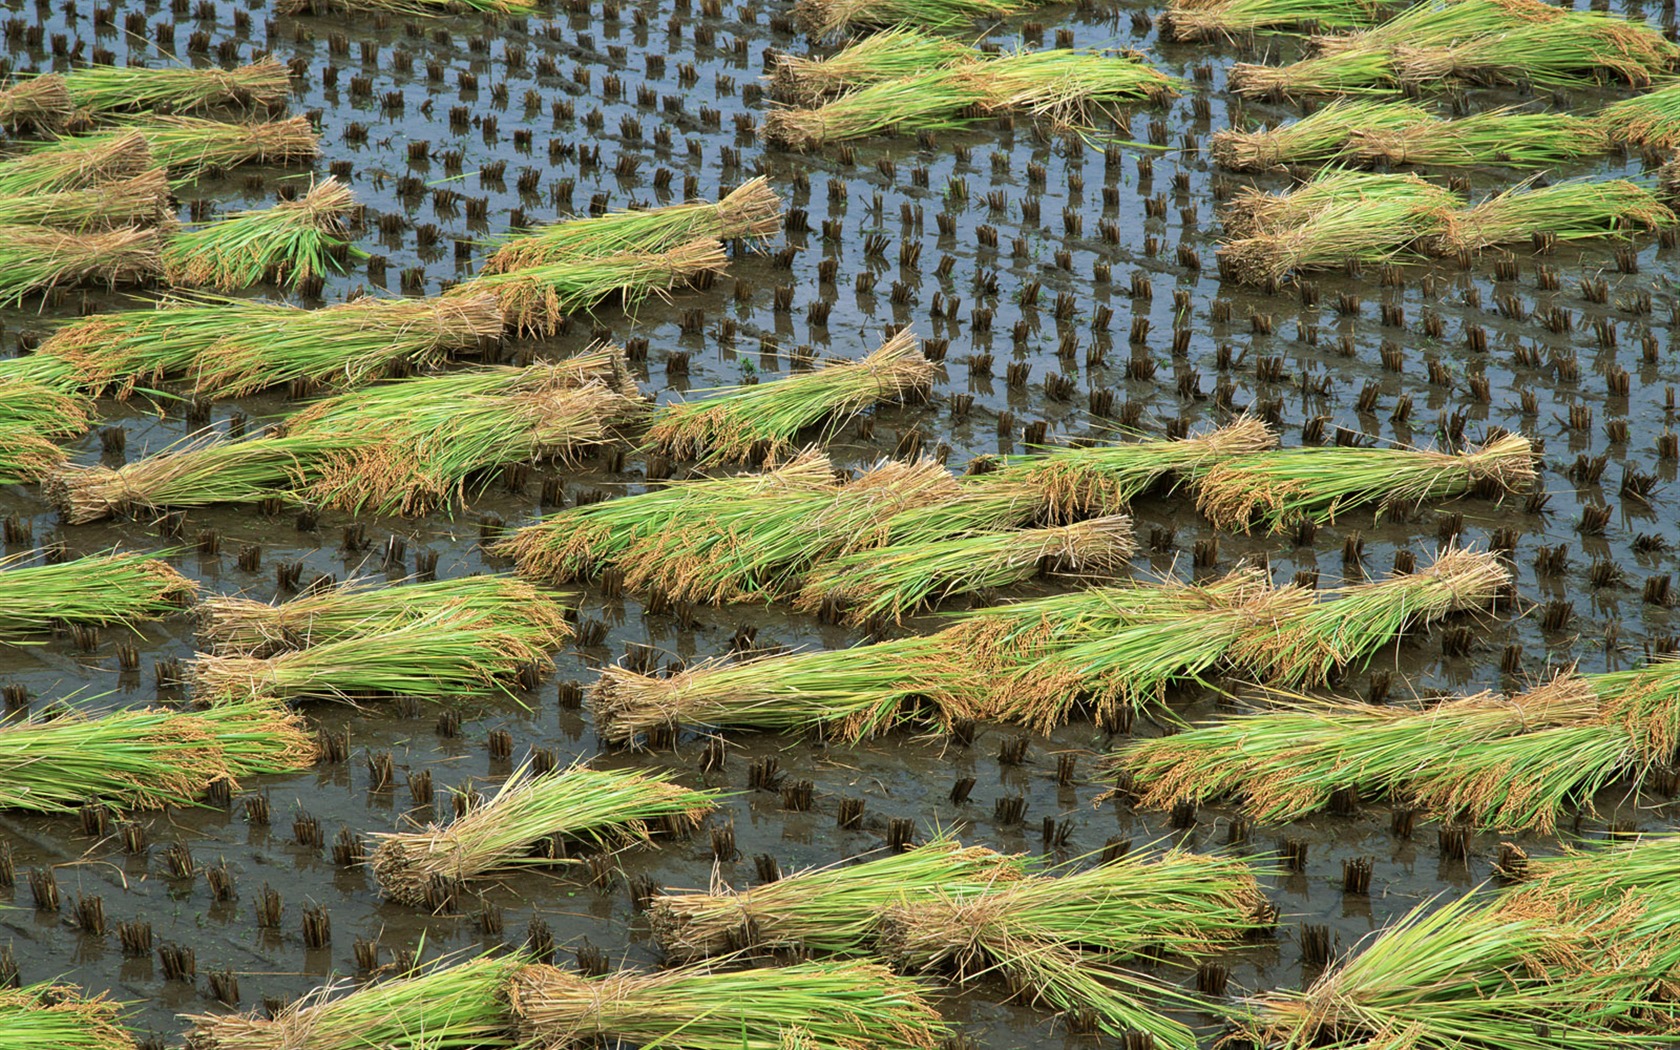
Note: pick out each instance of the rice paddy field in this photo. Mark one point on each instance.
(838, 523)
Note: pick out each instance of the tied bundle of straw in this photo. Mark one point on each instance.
(418, 8)
(40, 103)
(1190, 20)
(46, 407)
(104, 589)
(1497, 136)
(1651, 119)
(39, 259)
(1329, 638)
(821, 18)
(190, 147)
(99, 90)
(900, 51)
(139, 201)
(76, 164)
(403, 448)
(26, 454)
(601, 808)
(535, 298)
(446, 1007)
(1568, 211)
(1370, 230)
(813, 1004)
(577, 543)
(452, 651)
(886, 584)
(243, 627)
(761, 423)
(1320, 138)
(940, 99)
(1253, 213)
(1070, 88)
(1276, 490)
(1061, 939)
(234, 347)
(58, 1017)
(751, 210)
(1586, 47)
(831, 910)
(145, 759)
(286, 244)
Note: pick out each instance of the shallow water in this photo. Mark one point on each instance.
(900, 188)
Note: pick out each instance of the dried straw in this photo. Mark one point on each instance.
(40, 103)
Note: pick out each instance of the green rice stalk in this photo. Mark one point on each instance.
(401, 448)
(822, 18)
(452, 651)
(285, 244)
(886, 584)
(100, 90)
(534, 298)
(1042, 933)
(39, 103)
(235, 347)
(1252, 212)
(1352, 72)
(1325, 136)
(1275, 490)
(1070, 88)
(57, 1017)
(763, 421)
(1193, 20)
(832, 910)
(455, 1007)
(145, 759)
(47, 409)
(899, 51)
(1371, 231)
(103, 589)
(1498, 136)
(139, 201)
(604, 808)
(750, 211)
(577, 543)
(190, 147)
(1583, 49)
(232, 626)
(769, 548)
(838, 1003)
(39, 259)
(27, 454)
(941, 99)
(1651, 119)
(412, 8)
(1330, 638)
(1570, 211)
(76, 164)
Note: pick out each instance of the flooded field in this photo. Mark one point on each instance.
(1064, 286)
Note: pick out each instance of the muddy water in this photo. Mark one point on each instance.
(526, 116)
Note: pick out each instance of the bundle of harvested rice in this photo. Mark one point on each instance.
(285, 244)
(821, 18)
(600, 808)
(1324, 136)
(813, 1004)
(1370, 230)
(577, 543)
(189, 147)
(1061, 939)
(243, 627)
(418, 8)
(40, 103)
(122, 589)
(1569, 211)
(1318, 644)
(1252, 213)
(27, 454)
(1496, 136)
(139, 201)
(885, 584)
(144, 759)
(452, 651)
(99, 90)
(450, 1007)
(751, 210)
(46, 407)
(760, 423)
(1346, 72)
(76, 164)
(900, 51)
(235, 347)
(534, 298)
(1584, 48)
(58, 1017)
(1651, 119)
(402, 448)
(1189, 20)
(831, 910)
(1072, 89)
(1275, 490)
(935, 100)
(39, 259)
